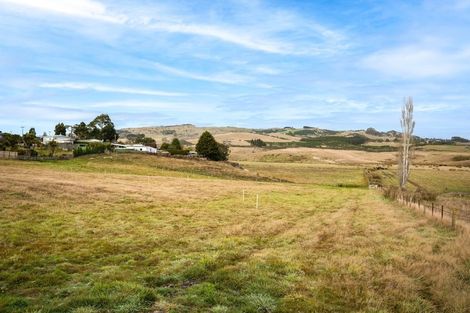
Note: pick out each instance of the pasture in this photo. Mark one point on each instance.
(137, 233)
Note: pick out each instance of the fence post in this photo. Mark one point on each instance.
(442, 212)
(453, 218)
(243, 195)
(257, 200)
(432, 208)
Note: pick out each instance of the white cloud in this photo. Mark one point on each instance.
(311, 38)
(223, 34)
(224, 77)
(434, 107)
(78, 8)
(139, 105)
(262, 69)
(105, 88)
(419, 62)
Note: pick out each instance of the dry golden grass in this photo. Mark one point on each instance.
(89, 241)
(422, 156)
(243, 138)
(311, 155)
(307, 173)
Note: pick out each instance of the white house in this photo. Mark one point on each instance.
(137, 147)
(60, 139)
(64, 142)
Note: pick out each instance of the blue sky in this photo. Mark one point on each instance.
(330, 64)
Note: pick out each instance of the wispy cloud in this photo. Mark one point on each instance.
(318, 39)
(257, 63)
(263, 69)
(224, 77)
(419, 61)
(112, 89)
(79, 8)
(141, 105)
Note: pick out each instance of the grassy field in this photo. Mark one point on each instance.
(319, 174)
(436, 180)
(443, 155)
(137, 233)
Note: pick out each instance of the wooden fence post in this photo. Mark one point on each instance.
(442, 212)
(432, 208)
(453, 218)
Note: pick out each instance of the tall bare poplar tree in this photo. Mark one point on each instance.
(407, 127)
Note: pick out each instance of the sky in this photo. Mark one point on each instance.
(330, 64)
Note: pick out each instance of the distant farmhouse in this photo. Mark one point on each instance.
(64, 142)
(70, 143)
(132, 148)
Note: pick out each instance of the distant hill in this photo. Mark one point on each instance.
(369, 139)
(236, 136)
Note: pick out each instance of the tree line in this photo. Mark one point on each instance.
(101, 127)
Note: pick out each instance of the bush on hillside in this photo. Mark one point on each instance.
(257, 143)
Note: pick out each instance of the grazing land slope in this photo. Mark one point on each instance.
(132, 233)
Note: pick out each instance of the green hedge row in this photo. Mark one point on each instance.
(92, 148)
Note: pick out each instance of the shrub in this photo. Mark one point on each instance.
(257, 143)
(174, 147)
(461, 158)
(175, 144)
(92, 148)
(423, 194)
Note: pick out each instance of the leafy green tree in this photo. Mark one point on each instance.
(60, 129)
(175, 147)
(148, 142)
(10, 141)
(52, 146)
(81, 131)
(32, 131)
(175, 144)
(208, 147)
(103, 128)
(29, 139)
(140, 138)
(108, 133)
(223, 152)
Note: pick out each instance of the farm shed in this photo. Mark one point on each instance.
(136, 147)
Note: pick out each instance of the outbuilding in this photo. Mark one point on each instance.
(132, 148)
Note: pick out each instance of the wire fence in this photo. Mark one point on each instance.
(448, 214)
